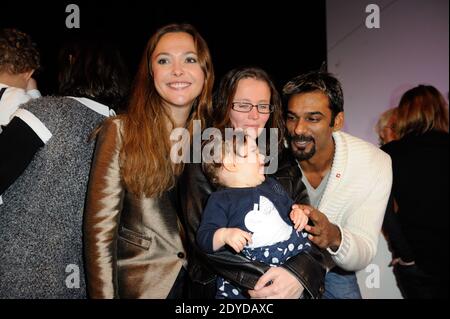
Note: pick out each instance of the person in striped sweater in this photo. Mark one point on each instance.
(19, 59)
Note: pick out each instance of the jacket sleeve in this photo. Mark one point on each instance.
(392, 228)
(102, 214)
(394, 234)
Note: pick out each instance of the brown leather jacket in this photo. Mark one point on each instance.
(194, 190)
(133, 247)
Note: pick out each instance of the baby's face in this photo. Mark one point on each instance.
(249, 165)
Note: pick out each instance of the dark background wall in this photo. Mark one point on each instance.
(283, 37)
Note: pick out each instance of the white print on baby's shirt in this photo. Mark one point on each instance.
(266, 224)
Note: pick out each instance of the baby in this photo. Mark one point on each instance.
(249, 212)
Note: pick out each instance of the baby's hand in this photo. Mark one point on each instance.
(237, 238)
(299, 218)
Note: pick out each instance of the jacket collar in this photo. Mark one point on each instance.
(287, 165)
(95, 106)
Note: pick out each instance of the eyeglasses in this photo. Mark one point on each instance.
(246, 107)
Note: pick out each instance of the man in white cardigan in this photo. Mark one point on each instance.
(348, 180)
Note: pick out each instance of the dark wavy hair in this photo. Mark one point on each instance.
(18, 53)
(320, 81)
(212, 168)
(93, 69)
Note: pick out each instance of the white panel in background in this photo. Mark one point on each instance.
(376, 66)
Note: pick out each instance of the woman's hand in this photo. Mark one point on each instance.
(277, 283)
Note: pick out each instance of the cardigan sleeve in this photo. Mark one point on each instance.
(360, 229)
(102, 214)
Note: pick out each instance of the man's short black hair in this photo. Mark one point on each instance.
(321, 81)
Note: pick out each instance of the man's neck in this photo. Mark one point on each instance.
(317, 167)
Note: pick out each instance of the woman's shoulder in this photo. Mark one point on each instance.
(114, 123)
(110, 131)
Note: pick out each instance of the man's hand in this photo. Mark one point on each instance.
(324, 234)
(298, 217)
(277, 283)
(234, 237)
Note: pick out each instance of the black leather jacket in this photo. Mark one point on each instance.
(193, 191)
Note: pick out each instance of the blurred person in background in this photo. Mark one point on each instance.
(385, 126)
(44, 170)
(418, 232)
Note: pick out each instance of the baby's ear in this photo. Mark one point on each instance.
(28, 74)
(229, 164)
(339, 121)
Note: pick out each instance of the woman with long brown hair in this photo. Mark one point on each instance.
(132, 236)
(418, 231)
(247, 99)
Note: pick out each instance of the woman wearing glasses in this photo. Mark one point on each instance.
(247, 99)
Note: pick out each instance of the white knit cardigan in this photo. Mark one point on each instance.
(355, 199)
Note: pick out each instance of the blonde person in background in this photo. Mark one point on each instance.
(385, 126)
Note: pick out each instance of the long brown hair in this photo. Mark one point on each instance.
(145, 162)
(420, 110)
(92, 67)
(227, 89)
